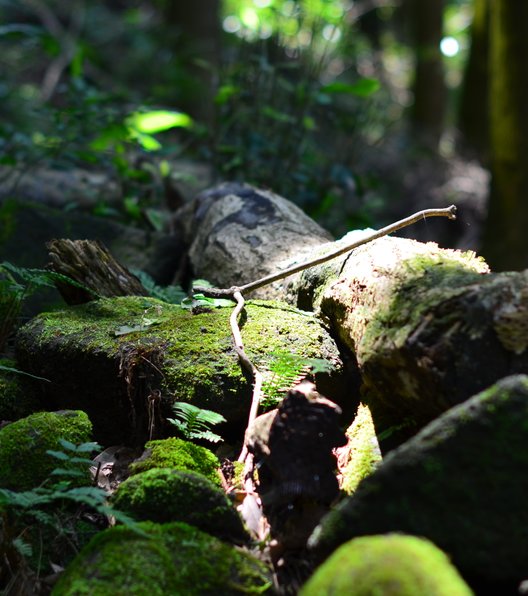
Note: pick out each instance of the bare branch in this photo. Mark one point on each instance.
(449, 212)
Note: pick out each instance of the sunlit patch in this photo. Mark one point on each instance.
(449, 47)
(231, 24)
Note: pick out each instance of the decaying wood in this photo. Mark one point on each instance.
(238, 233)
(292, 446)
(429, 327)
(89, 263)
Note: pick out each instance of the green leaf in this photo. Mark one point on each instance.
(194, 422)
(109, 137)
(363, 88)
(68, 472)
(132, 208)
(225, 93)
(309, 123)
(157, 121)
(21, 372)
(58, 454)
(148, 142)
(278, 116)
(143, 326)
(88, 447)
(206, 435)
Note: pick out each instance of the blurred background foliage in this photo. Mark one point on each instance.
(316, 99)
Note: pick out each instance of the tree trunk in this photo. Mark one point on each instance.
(197, 38)
(430, 95)
(506, 238)
(474, 104)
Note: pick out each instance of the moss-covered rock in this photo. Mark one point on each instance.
(363, 450)
(178, 454)
(24, 463)
(17, 397)
(172, 559)
(461, 482)
(108, 356)
(392, 564)
(162, 495)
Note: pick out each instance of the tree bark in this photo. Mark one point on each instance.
(505, 237)
(197, 36)
(473, 119)
(430, 94)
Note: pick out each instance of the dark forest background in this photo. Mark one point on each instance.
(357, 111)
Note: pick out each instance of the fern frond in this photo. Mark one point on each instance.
(194, 422)
(286, 369)
(23, 548)
(170, 294)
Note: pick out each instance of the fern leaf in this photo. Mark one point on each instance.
(206, 435)
(23, 548)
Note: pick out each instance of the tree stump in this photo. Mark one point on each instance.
(96, 271)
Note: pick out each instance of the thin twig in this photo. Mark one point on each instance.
(235, 293)
(449, 212)
(247, 364)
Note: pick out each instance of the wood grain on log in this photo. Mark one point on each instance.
(238, 233)
(88, 262)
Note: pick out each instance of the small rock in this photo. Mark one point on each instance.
(162, 495)
(172, 559)
(390, 564)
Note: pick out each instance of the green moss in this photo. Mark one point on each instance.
(192, 354)
(364, 452)
(17, 398)
(392, 564)
(24, 463)
(174, 559)
(421, 282)
(178, 454)
(162, 495)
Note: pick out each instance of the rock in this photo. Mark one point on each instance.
(426, 327)
(24, 463)
(389, 564)
(125, 360)
(162, 495)
(406, 310)
(172, 559)
(461, 482)
(177, 454)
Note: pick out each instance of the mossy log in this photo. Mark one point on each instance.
(125, 360)
(428, 327)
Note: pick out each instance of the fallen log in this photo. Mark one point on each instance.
(428, 327)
